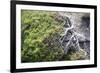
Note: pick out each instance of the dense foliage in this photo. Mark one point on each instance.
(39, 33)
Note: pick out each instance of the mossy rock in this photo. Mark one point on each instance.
(75, 55)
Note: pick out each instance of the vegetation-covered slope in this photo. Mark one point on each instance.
(39, 37)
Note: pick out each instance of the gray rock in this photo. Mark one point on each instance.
(76, 31)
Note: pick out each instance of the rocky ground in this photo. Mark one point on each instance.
(81, 27)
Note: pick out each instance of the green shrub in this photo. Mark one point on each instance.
(38, 28)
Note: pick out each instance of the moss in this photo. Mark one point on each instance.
(75, 55)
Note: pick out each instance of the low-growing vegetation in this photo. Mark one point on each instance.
(39, 38)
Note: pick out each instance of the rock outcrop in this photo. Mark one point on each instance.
(76, 31)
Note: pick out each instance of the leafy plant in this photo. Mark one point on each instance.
(38, 27)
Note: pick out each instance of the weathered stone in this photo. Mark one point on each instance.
(76, 31)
